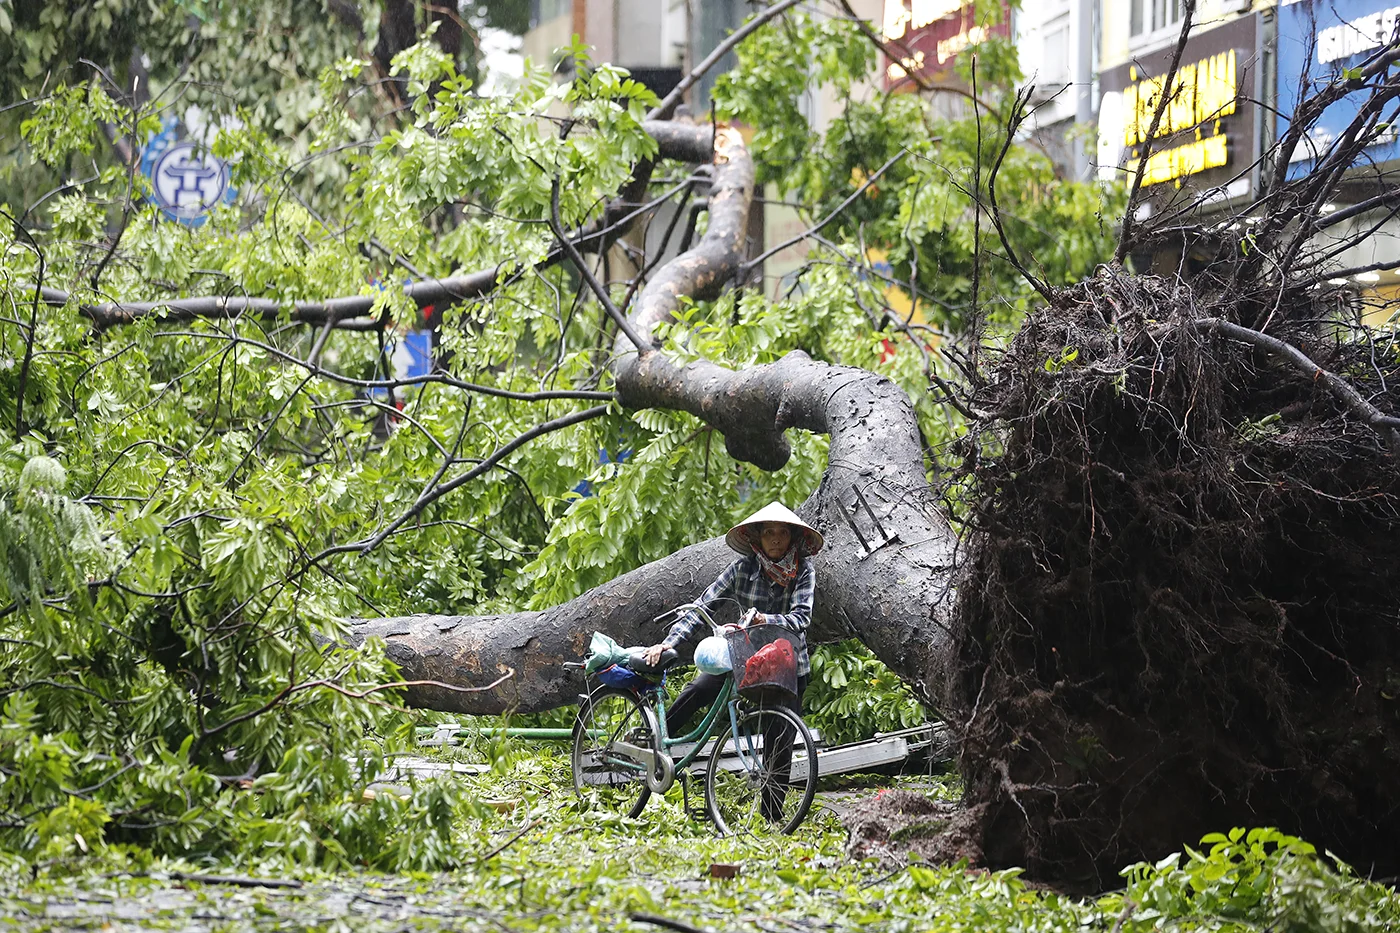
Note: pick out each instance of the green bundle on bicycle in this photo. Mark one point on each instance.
(762, 772)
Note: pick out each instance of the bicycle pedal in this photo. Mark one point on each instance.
(695, 813)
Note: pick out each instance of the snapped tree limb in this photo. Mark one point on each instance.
(895, 596)
(680, 141)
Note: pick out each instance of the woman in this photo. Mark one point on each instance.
(774, 575)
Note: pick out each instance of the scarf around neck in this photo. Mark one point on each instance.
(781, 571)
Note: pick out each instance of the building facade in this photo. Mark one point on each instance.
(1318, 41)
(1098, 67)
(1210, 137)
(1058, 45)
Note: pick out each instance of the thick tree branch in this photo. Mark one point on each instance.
(1387, 426)
(679, 141)
(896, 598)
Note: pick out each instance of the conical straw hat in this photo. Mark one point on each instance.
(775, 512)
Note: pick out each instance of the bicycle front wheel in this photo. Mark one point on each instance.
(611, 727)
(763, 780)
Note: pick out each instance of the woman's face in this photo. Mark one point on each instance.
(775, 538)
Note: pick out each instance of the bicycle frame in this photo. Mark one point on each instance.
(650, 757)
(644, 759)
(727, 699)
(703, 732)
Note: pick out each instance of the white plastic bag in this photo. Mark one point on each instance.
(712, 656)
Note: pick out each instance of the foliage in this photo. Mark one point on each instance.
(189, 505)
(920, 210)
(213, 63)
(852, 696)
(163, 620)
(559, 866)
(249, 63)
(1248, 880)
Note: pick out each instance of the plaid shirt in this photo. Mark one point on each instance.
(744, 580)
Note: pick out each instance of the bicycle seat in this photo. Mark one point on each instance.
(635, 660)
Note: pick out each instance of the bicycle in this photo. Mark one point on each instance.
(622, 753)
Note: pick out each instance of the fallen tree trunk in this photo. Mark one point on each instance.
(896, 598)
(1174, 612)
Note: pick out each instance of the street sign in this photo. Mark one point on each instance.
(187, 179)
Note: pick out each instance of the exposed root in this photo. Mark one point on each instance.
(1179, 611)
(896, 824)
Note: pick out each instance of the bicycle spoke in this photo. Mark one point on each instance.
(754, 788)
(601, 771)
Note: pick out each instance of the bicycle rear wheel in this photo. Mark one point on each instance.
(608, 718)
(765, 780)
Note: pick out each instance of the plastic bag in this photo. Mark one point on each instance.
(766, 657)
(712, 656)
(603, 653)
(615, 675)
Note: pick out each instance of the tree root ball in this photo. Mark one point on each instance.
(896, 824)
(1179, 608)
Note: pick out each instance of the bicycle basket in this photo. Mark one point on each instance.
(764, 660)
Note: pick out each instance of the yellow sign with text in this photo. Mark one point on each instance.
(1203, 93)
(1180, 161)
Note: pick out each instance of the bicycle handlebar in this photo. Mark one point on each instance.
(745, 619)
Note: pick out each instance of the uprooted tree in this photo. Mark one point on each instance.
(1144, 580)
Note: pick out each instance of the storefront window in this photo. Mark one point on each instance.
(1150, 15)
(542, 11)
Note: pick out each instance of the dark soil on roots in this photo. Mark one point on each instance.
(895, 824)
(1181, 596)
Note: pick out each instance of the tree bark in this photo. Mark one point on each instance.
(896, 597)
(397, 31)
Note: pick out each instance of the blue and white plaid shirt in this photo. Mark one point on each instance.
(744, 580)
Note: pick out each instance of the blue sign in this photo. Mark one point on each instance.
(585, 487)
(1317, 41)
(419, 344)
(188, 180)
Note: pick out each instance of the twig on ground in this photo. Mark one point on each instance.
(509, 842)
(242, 881)
(666, 922)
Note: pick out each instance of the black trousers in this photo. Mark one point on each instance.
(777, 735)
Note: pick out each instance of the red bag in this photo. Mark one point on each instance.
(773, 665)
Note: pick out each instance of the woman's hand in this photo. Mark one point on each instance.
(653, 655)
